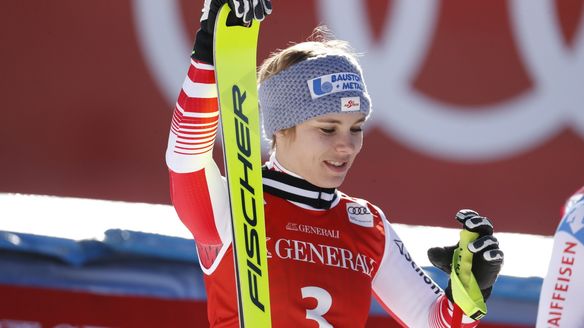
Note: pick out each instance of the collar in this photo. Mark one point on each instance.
(285, 184)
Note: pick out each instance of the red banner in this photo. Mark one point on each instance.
(48, 308)
(53, 308)
(476, 104)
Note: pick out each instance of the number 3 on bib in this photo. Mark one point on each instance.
(324, 301)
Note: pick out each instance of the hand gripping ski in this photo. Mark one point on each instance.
(465, 289)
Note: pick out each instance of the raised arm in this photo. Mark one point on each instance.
(198, 190)
(196, 186)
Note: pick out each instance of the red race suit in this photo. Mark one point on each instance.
(328, 253)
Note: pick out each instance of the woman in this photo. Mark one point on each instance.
(327, 252)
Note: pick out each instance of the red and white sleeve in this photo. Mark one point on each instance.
(194, 122)
(197, 189)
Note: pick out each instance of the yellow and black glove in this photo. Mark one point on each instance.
(242, 13)
(473, 264)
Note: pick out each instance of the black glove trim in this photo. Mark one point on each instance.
(203, 48)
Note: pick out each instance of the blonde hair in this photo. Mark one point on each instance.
(320, 43)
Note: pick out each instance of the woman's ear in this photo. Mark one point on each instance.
(279, 136)
(284, 135)
(277, 139)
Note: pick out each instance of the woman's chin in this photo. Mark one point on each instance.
(330, 182)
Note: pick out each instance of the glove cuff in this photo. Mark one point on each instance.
(203, 48)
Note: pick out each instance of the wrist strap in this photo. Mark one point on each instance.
(470, 301)
(466, 292)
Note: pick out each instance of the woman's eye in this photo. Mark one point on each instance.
(327, 131)
(355, 130)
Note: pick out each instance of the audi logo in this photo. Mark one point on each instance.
(502, 129)
(358, 210)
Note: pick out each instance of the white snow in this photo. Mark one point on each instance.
(78, 218)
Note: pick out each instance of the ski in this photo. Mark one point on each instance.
(235, 73)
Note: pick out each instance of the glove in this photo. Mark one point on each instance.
(250, 9)
(242, 13)
(487, 257)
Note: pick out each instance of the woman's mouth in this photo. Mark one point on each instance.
(336, 166)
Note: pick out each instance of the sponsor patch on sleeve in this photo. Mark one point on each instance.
(359, 215)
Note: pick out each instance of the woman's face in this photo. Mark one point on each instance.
(322, 149)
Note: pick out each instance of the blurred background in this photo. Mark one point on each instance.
(475, 104)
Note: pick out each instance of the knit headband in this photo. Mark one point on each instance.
(311, 88)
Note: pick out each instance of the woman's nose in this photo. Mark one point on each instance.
(345, 143)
